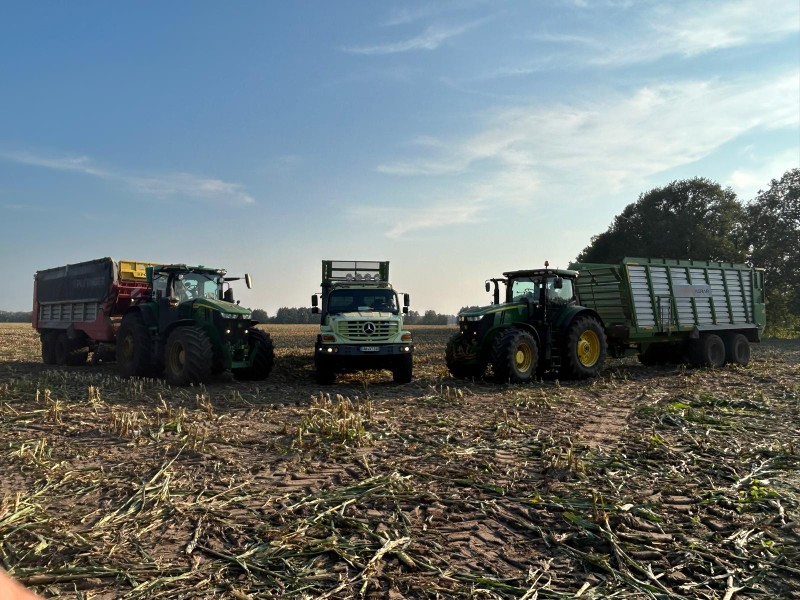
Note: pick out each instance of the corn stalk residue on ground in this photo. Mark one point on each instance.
(662, 482)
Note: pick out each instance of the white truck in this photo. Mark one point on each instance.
(361, 322)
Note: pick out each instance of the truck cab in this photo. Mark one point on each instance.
(361, 322)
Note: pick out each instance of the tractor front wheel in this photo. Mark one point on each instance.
(458, 368)
(584, 349)
(188, 356)
(134, 347)
(514, 356)
(261, 344)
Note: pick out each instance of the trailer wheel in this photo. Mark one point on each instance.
(134, 348)
(737, 349)
(584, 349)
(708, 351)
(49, 347)
(457, 368)
(188, 356)
(261, 344)
(62, 348)
(403, 369)
(515, 356)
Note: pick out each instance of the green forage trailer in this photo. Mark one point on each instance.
(673, 310)
(570, 320)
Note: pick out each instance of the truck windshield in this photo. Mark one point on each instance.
(347, 300)
(525, 288)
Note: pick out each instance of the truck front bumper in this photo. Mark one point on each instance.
(355, 357)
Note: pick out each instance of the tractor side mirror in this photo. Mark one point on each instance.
(248, 281)
(558, 283)
(228, 295)
(488, 286)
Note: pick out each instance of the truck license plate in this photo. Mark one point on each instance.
(369, 348)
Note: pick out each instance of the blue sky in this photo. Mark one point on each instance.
(455, 139)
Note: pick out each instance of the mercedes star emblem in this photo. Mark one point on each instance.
(369, 328)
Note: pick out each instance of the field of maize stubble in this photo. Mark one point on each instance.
(659, 482)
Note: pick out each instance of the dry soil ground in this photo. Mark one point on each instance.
(661, 482)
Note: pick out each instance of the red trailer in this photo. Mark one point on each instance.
(77, 308)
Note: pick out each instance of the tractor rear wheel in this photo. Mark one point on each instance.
(403, 369)
(134, 348)
(261, 344)
(514, 356)
(584, 349)
(457, 368)
(708, 351)
(188, 356)
(737, 349)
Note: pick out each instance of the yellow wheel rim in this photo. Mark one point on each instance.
(523, 357)
(588, 348)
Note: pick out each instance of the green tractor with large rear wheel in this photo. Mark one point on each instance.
(539, 327)
(191, 328)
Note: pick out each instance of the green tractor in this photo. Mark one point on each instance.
(540, 327)
(191, 328)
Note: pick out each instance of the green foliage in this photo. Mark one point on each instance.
(301, 315)
(692, 218)
(431, 317)
(260, 315)
(15, 317)
(773, 233)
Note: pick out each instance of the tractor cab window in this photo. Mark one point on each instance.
(188, 286)
(560, 295)
(527, 288)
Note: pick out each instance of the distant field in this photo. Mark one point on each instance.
(661, 482)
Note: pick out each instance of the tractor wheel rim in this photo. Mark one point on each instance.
(523, 357)
(588, 348)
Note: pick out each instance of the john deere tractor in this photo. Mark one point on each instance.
(539, 327)
(191, 328)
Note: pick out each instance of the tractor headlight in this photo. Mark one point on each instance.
(232, 316)
(472, 319)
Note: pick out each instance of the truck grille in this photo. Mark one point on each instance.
(360, 330)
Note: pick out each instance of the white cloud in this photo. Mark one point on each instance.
(599, 147)
(179, 185)
(747, 182)
(433, 37)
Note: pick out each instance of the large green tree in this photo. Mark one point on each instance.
(691, 218)
(773, 232)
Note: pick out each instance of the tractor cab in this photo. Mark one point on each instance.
(546, 292)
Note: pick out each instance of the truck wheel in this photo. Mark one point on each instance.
(326, 374)
(134, 348)
(737, 349)
(49, 347)
(584, 350)
(403, 370)
(708, 351)
(514, 356)
(188, 356)
(261, 344)
(457, 368)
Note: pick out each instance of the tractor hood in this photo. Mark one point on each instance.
(490, 309)
(226, 308)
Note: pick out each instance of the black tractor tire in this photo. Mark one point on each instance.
(707, 351)
(458, 369)
(134, 348)
(261, 344)
(49, 347)
(584, 349)
(403, 369)
(737, 349)
(515, 356)
(188, 356)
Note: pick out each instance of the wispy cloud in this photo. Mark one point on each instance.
(169, 185)
(527, 153)
(433, 37)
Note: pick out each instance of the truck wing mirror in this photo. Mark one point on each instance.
(406, 300)
(405, 310)
(248, 281)
(314, 300)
